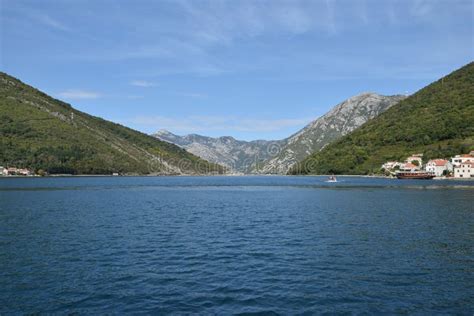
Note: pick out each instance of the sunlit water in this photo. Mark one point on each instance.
(219, 245)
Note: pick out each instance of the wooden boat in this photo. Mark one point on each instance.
(415, 175)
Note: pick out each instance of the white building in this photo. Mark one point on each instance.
(23, 172)
(416, 157)
(438, 166)
(459, 159)
(10, 171)
(390, 165)
(464, 170)
(409, 167)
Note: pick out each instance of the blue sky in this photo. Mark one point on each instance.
(249, 69)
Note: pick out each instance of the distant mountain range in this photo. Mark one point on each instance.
(437, 121)
(43, 133)
(278, 156)
(237, 155)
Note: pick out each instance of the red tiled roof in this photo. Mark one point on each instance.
(466, 163)
(439, 162)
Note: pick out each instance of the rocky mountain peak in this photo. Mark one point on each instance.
(340, 120)
(163, 132)
(278, 156)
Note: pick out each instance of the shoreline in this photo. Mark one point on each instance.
(209, 175)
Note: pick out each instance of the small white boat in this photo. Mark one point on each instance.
(331, 179)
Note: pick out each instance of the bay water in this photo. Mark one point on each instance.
(232, 245)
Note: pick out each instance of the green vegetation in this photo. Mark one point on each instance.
(437, 121)
(43, 133)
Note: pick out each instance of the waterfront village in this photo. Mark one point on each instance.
(459, 166)
(12, 171)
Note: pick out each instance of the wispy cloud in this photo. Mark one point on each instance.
(213, 25)
(143, 83)
(49, 21)
(224, 22)
(36, 15)
(203, 124)
(79, 94)
(212, 38)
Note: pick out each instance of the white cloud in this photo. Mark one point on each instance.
(225, 124)
(79, 94)
(143, 83)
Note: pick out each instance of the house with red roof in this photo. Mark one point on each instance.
(459, 159)
(409, 167)
(438, 167)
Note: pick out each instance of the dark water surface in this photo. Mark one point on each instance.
(219, 245)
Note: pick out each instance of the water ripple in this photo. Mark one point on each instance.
(243, 245)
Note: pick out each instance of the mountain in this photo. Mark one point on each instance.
(437, 121)
(40, 132)
(237, 155)
(261, 156)
(340, 120)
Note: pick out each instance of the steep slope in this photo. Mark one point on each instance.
(40, 132)
(237, 155)
(276, 157)
(341, 120)
(438, 121)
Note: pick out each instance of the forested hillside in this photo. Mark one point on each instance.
(437, 121)
(43, 133)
